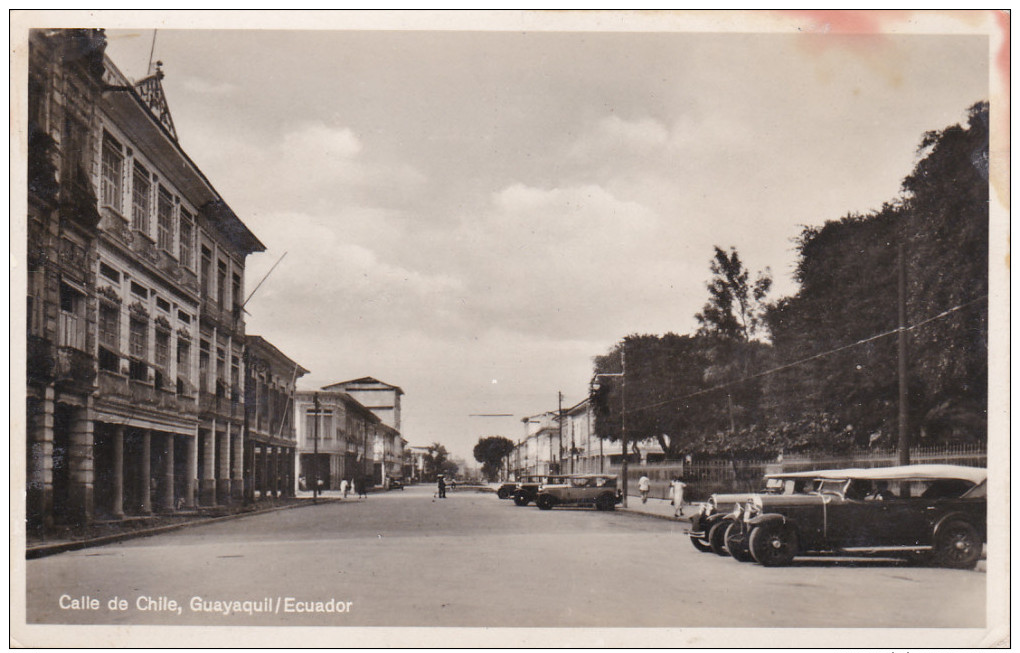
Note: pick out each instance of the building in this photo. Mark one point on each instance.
(135, 282)
(383, 400)
(415, 466)
(336, 439)
(540, 450)
(271, 439)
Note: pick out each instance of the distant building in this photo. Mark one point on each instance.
(335, 441)
(381, 398)
(270, 378)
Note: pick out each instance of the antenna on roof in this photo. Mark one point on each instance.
(148, 70)
(263, 279)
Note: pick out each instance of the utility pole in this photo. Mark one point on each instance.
(901, 347)
(559, 421)
(315, 455)
(623, 418)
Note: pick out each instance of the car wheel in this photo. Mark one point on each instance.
(544, 502)
(503, 493)
(773, 545)
(605, 502)
(520, 500)
(700, 544)
(716, 538)
(736, 544)
(958, 545)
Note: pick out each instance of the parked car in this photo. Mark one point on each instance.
(598, 490)
(394, 484)
(716, 516)
(527, 489)
(506, 490)
(934, 512)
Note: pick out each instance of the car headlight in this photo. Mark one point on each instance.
(737, 509)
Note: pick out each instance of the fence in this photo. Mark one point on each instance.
(706, 477)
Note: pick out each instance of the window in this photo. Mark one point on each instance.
(183, 366)
(203, 367)
(109, 272)
(72, 318)
(187, 235)
(140, 200)
(162, 349)
(109, 337)
(113, 173)
(205, 271)
(221, 284)
(139, 349)
(235, 293)
(165, 220)
(183, 317)
(221, 372)
(325, 424)
(162, 304)
(139, 289)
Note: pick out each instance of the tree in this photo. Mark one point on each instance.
(490, 451)
(435, 460)
(735, 307)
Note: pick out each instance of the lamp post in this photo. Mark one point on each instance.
(623, 418)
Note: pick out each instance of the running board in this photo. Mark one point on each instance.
(857, 549)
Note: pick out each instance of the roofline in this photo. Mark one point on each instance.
(388, 385)
(262, 342)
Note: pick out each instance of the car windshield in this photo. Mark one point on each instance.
(831, 487)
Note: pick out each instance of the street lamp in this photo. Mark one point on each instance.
(623, 416)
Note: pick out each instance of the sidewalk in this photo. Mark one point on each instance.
(660, 508)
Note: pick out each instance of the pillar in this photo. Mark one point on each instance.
(223, 468)
(192, 471)
(81, 481)
(145, 472)
(266, 479)
(276, 472)
(166, 473)
(39, 491)
(207, 485)
(237, 465)
(291, 478)
(117, 491)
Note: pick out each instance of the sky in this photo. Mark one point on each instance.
(472, 216)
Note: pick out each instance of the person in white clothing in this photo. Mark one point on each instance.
(676, 494)
(643, 485)
(344, 488)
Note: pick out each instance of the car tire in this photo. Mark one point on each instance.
(957, 545)
(700, 544)
(520, 500)
(605, 502)
(545, 502)
(716, 538)
(736, 544)
(773, 545)
(503, 493)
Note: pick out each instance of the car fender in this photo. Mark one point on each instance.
(767, 518)
(954, 516)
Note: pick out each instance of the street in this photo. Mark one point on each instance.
(403, 558)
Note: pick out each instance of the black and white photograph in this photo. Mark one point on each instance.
(578, 328)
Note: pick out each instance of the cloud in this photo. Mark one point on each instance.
(207, 87)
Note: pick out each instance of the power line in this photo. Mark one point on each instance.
(823, 354)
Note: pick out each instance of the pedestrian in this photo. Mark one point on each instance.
(441, 483)
(344, 488)
(643, 485)
(363, 487)
(676, 493)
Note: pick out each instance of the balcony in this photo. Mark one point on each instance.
(75, 367)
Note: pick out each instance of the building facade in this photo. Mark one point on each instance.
(336, 438)
(383, 400)
(271, 438)
(136, 276)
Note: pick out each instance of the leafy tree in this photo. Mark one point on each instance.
(435, 460)
(491, 451)
(735, 306)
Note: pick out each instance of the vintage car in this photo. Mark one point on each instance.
(599, 490)
(506, 490)
(928, 512)
(715, 516)
(527, 488)
(394, 484)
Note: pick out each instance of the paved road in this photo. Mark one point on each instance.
(405, 559)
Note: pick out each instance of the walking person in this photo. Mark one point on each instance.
(643, 485)
(363, 487)
(441, 483)
(344, 488)
(676, 493)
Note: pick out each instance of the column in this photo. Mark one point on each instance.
(289, 489)
(117, 491)
(39, 497)
(266, 485)
(237, 465)
(145, 472)
(276, 472)
(223, 468)
(166, 494)
(192, 471)
(207, 485)
(81, 481)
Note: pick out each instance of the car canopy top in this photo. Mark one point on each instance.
(975, 475)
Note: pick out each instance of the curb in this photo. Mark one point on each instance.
(45, 550)
(632, 511)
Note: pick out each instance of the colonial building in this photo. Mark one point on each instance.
(336, 438)
(383, 400)
(136, 277)
(271, 442)
(539, 451)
